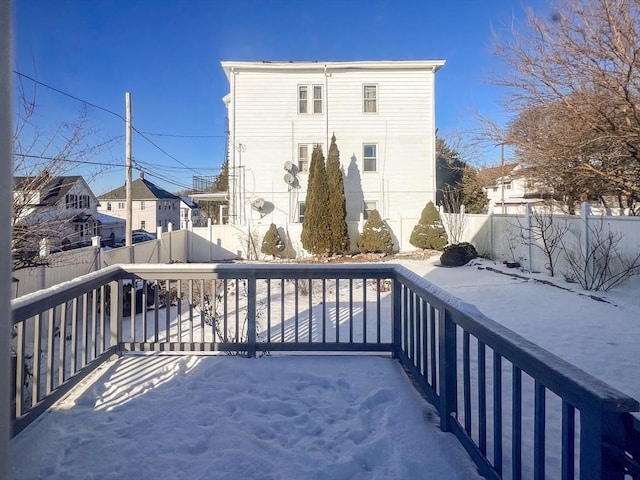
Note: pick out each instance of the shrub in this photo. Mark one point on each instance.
(458, 254)
(429, 232)
(272, 244)
(375, 236)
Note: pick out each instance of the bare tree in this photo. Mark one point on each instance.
(453, 216)
(43, 161)
(574, 86)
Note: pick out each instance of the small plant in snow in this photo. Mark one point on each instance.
(272, 243)
(375, 236)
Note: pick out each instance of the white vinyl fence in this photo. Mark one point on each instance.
(511, 238)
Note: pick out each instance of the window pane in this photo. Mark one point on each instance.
(302, 206)
(317, 99)
(303, 158)
(370, 98)
(369, 164)
(369, 157)
(302, 99)
(369, 151)
(368, 208)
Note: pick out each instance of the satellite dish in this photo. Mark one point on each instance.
(258, 204)
(289, 179)
(288, 166)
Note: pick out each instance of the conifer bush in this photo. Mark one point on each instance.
(429, 232)
(375, 236)
(336, 209)
(316, 230)
(272, 243)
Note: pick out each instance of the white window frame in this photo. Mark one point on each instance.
(142, 205)
(302, 209)
(369, 100)
(143, 225)
(306, 160)
(303, 103)
(368, 159)
(317, 101)
(366, 210)
(108, 206)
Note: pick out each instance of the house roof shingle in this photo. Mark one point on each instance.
(53, 191)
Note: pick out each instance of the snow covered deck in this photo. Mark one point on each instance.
(197, 417)
(518, 410)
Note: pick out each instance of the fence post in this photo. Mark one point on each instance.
(599, 432)
(397, 317)
(585, 210)
(529, 242)
(115, 314)
(447, 368)
(251, 316)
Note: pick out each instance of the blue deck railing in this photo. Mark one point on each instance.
(517, 409)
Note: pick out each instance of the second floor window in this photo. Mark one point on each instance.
(121, 205)
(71, 201)
(370, 98)
(108, 205)
(370, 157)
(142, 205)
(143, 225)
(315, 98)
(369, 206)
(302, 207)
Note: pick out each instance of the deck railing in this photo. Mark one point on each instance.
(517, 409)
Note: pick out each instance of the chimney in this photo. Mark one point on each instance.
(142, 175)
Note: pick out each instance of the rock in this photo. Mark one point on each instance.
(458, 255)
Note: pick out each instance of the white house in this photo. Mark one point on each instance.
(152, 206)
(510, 187)
(381, 112)
(62, 209)
(190, 212)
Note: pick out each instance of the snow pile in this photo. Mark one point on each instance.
(230, 417)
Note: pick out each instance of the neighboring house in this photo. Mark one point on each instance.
(152, 206)
(62, 209)
(110, 229)
(510, 187)
(190, 212)
(381, 112)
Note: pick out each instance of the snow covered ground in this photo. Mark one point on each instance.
(315, 417)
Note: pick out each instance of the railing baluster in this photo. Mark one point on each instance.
(50, 350)
(337, 310)
(251, 317)
(282, 339)
(497, 413)
(516, 421)
(132, 309)
(568, 441)
(179, 305)
(203, 285)
(102, 338)
(432, 338)
(324, 310)
(419, 341)
(156, 311)
(482, 399)
(237, 306)
(145, 328)
(167, 311)
(190, 311)
(86, 336)
(425, 340)
(20, 367)
(296, 293)
(93, 350)
(378, 316)
(466, 381)
(36, 363)
(538, 432)
(351, 310)
(364, 310)
(310, 310)
(62, 343)
(74, 336)
(225, 308)
(268, 310)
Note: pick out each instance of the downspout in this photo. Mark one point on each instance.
(433, 136)
(233, 212)
(326, 116)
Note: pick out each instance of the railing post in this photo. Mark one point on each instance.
(397, 317)
(251, 316)
(447, 370)
(599, 432)
(115, 314)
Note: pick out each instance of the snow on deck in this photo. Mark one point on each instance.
(163, 416)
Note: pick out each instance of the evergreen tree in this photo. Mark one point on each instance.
(474, 197)
(272, 243)
(429, 232)
(375, 236)
(336, 208)
(315, 227)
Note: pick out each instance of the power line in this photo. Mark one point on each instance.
(70, 160)
(183, 136)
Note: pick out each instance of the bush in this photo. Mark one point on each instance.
(429, 232)
(272, 244)
(458, 255)
(375, 236)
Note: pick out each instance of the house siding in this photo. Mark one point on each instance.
(264, 120)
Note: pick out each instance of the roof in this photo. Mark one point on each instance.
(189, 202)
(141, 189)
(433, 65)
(488, 177)
(54, 190)
(105, 219)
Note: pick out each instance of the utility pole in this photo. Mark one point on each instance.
(128, 155)
(504, 210)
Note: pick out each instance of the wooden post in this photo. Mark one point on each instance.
(128, 156)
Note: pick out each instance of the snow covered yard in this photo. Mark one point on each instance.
(149, 417)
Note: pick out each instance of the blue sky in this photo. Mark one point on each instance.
(168, 53)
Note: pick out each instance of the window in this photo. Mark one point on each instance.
(507, 185)
(83, 201)
(141, 204)
(317, 99)
(108, 205)
(303, 158)
(71, 201)
(121, 205)
(143, 225)
(370, 157)
(369, 206)
(302, 99)
(370, 98)
(302, 207)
